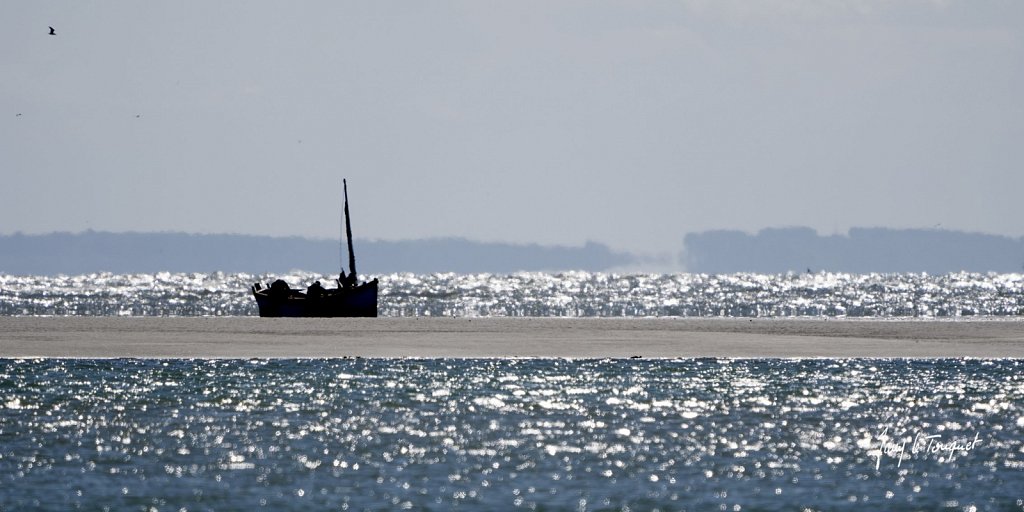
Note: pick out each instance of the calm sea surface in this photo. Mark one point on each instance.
(577, 294)
(498, 434)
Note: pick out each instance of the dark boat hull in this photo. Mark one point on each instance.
(360, 301)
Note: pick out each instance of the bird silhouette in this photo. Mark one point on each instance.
(53, 32)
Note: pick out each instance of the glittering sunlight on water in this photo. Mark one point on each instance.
(357, 434)
(577, 294)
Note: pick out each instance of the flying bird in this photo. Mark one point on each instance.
(53, 32)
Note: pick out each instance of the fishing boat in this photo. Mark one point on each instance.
(349, 299)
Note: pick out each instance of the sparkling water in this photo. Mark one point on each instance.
(499, 434)
(577, 294)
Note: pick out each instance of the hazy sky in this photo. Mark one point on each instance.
(628, 123)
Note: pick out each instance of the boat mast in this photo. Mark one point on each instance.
(348, 235)
(341, 240)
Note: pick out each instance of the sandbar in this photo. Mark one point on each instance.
(252, 337)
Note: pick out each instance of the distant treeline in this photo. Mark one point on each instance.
(862, 250)
(91, 251)
(770, 251)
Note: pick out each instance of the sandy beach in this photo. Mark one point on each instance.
(244, 337)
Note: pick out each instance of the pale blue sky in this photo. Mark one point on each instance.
(627, 123)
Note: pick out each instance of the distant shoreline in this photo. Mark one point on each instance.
(128, 253)
(246, 337)
(862, 250)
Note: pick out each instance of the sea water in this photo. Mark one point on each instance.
(534, 434)
(503, 434)
(576, 294)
